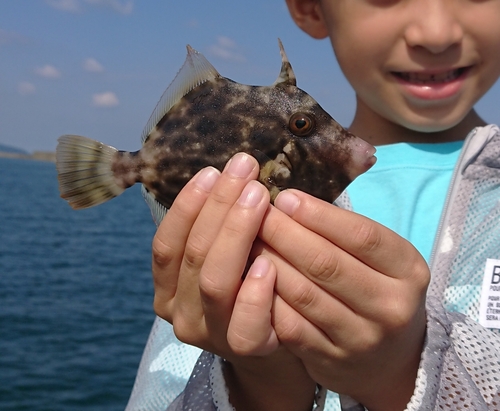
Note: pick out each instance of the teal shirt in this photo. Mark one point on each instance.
(406, 189)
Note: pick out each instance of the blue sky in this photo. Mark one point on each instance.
(98, 67)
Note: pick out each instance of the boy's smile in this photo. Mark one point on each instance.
(432, 77)
(419, 65)
(432, 86)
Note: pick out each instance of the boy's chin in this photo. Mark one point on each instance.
(429, 127)
(437, 124)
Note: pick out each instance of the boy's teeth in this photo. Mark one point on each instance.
(422, 78)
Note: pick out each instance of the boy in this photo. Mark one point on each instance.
(333, 300)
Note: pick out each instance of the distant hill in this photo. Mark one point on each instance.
(14, 150)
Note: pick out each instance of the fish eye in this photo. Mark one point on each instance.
(301, 124)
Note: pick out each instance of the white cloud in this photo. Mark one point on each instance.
(24, 88)
(193, 23)
(226, 42)
(75, 6)
(226, 49)
(10, 37)
(122, 7)
(92, 65)
(71, 6)
(106, 99)
(48, 71)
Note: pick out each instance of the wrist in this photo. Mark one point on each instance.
(278, 382)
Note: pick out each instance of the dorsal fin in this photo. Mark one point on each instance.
(287, 76)
(195, 71)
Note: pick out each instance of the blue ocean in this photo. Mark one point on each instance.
(75, 294)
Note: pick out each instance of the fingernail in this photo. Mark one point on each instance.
(240, 165)
(251, 195)
(206, 178)
(287, 202)
(260, 267)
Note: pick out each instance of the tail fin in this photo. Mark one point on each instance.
(84, 168)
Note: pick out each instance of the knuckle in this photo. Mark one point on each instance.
(367, 239)
(210, 291)
(398, 314)
(288, 329)
(303, 296)
(323, 264)
(421, 276)
(162, 252)
(223, 195)
(195, 251)
(240, 344)
(274, 233)
(369, 342)
(251, 304)
(160, 309)
(185, 331)
(236, 226)
(397, 320)
(416, 272)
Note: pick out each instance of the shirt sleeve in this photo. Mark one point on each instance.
(460, 364)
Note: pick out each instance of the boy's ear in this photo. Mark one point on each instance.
(308, 15)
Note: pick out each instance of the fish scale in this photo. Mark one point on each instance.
(203, 119)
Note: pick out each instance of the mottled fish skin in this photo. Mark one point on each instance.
(220, 118)
(203, 119)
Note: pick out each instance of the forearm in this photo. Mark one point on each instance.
(393, 396)
(393, 386)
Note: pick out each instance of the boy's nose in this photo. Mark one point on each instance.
(432, 24)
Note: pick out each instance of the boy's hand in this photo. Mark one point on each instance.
(358, 296)
(200, 253)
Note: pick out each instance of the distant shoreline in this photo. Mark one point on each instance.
(49, 156)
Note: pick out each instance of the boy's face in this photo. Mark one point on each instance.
(421, 64)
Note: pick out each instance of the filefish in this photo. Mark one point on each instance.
(203, 119)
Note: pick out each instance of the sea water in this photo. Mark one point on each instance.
(75, 294)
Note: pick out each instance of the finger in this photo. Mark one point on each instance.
(386, 300)
(321, 356)
(238, 172)
(250, 330)
(328, 362)
(335, 364)
(366, 240)
(220, 278)
(299, 335)
(330, 267)
(171, 236)
(327, 312)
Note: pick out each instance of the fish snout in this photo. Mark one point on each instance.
(362, 156)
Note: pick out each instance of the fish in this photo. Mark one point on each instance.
(203, 119)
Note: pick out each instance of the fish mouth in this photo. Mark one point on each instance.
(274, 173)
(283, 159)
(279, 162)
(281, 171)
(423, 78)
